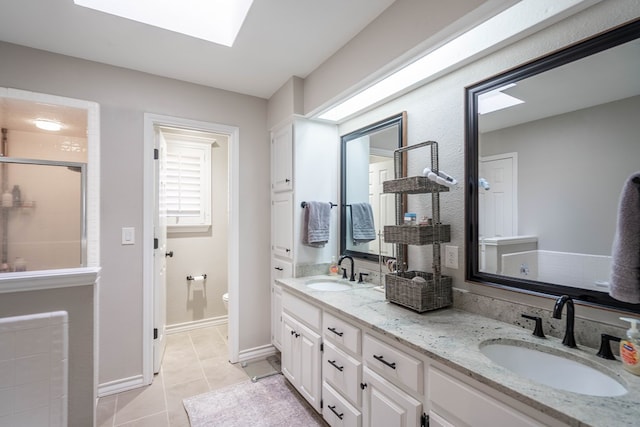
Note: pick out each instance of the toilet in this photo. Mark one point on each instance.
(225, 300)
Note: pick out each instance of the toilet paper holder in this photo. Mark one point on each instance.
(202, 277)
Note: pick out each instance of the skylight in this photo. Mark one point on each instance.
(519, 18)
(217, 21)
(497, 100)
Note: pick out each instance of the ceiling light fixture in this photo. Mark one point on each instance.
(217, 21)
(494, 32)
(49, 125)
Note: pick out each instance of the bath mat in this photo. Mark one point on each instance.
(262, 368)
(270, 402)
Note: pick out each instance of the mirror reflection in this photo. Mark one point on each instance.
(367, 161)
(556, 141)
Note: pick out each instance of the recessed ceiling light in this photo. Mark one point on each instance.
(217, 21)
(49, 125)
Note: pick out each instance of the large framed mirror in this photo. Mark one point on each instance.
(549, 146)
(366, 162)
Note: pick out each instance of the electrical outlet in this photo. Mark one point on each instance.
(451, 257)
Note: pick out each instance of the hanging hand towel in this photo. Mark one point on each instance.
(625, 264)
(317, 221)
(362, 227)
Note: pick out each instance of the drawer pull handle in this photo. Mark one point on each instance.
(381, 359)
(333, 363)
(336, 332)
(279, 268)
(333, 409)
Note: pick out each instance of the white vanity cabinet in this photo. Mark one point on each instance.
(341, 372)
(301, 347)
(454, 402)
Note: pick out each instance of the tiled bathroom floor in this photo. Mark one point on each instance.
(194, 362)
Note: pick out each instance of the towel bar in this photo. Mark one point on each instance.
(304, 204)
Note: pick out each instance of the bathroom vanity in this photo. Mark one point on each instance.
(362, 361)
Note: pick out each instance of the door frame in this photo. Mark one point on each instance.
(150, 121)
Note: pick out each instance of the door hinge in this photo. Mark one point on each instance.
(321, 347)
(156, 154)
(155, 333)
(424, 420)
(321, 403)
(155, 243)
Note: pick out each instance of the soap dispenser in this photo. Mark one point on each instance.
(333, 267)
(630, 348)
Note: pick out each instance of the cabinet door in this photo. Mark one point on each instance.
(386, 405)
(282, 159)
(282, 225)
(276, 316)
(309, 383)
(290, 361)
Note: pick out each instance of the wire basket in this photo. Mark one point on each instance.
(432, 294)
(412, 185)
(417, 234)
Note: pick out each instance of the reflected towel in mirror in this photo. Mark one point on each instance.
(625, 263)
(362, 226)
(317, 221)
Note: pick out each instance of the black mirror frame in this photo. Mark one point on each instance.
(598, 43)
(401, 120)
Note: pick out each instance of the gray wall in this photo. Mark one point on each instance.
(571, 169)
(124, 96)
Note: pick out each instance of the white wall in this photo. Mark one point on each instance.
(436, 111)
(124, 96)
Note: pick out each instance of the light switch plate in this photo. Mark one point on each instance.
(128, 235)
(451, 257)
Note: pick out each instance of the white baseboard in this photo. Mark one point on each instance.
(118, 386)
(261, 352)
(196, 324)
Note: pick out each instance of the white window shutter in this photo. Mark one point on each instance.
(188, 185)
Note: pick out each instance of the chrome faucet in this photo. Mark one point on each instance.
(352, 278)
(568, 339)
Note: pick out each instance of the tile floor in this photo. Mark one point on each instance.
(194, 362)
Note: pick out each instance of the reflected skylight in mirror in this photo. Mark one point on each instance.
(217, 21)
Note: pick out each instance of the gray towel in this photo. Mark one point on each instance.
(317, 220)
(362, 227)
(625, 265)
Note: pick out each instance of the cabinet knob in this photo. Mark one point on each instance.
(287, 180)
(363, 386)
(287, 250)
(169, 254)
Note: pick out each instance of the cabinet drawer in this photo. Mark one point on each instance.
(342, 333)
(393, 363)
(343, 372)
(337, 411)
(302, 310)
(471, 406)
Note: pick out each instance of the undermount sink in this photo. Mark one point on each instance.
(329, 285)
(553, 370)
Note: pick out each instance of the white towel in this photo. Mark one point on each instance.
(362, 227)
(316, 226)
(625, 264)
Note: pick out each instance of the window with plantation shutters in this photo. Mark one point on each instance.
(187, 184)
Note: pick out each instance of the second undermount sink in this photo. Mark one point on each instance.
(330, 285)
(553, 370)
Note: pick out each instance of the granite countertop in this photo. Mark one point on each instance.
(453, 338)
